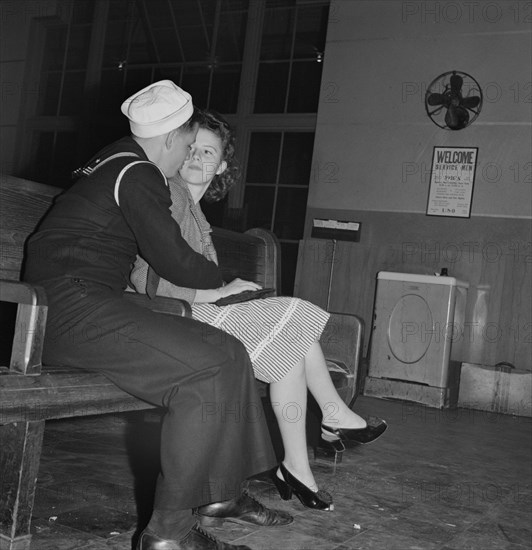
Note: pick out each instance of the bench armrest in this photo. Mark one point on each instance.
(21, 293)
(341, 342)
(24, 307)
(29, 324)
(161, 304)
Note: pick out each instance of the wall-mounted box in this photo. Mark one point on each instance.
(336, 230)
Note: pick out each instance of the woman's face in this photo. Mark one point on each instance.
(204, 160)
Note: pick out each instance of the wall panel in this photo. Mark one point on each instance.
(493, 256)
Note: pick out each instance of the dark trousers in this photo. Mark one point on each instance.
(214, 433)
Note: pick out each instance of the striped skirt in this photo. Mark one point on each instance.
(277, 332)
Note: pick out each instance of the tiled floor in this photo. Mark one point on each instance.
(437, 480)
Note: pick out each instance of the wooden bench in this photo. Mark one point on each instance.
(31, 393)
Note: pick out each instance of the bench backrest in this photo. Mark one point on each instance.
(22, 205)
(253, 255)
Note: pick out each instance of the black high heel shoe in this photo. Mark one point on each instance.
(319, 500)
(375, 428)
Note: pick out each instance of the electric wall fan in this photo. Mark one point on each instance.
(453, 100)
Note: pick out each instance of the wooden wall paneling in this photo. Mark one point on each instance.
(516, 314)
(313, 273)
(490, 330)
(524, 308)
(497, 325)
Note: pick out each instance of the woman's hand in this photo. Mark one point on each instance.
(236, 287)
(214, 294)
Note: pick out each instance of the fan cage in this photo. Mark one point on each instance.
(441, 85)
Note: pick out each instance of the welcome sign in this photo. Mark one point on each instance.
(452, 179)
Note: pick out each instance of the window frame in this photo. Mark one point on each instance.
(245, 120)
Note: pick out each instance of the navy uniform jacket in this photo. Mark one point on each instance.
(96, 229)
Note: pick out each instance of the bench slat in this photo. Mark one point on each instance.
(59, 394)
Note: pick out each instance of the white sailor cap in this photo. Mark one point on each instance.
(157, 109)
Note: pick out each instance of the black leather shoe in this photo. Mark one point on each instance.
(318, 500)
(375, 428)
(195, 539)
(244, 510)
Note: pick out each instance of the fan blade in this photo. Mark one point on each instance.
(456, 118)
(436, 99)
(470, 102)
(456, 83)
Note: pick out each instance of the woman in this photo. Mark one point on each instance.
(280, 333)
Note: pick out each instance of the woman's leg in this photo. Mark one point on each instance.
(335, 411)
(289, 401)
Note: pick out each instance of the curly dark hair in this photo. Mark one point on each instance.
(216, 123)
